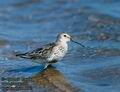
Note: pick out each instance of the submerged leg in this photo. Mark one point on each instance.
(46, 65)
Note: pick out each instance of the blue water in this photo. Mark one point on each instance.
(28, 24)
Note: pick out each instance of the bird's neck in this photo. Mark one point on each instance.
(63, 43)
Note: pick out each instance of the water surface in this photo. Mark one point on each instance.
(28, 24)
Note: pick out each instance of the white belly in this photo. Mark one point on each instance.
(58, 53)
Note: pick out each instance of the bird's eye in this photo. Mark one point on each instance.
(65, 36)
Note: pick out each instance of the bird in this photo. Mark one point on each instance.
(52, 52)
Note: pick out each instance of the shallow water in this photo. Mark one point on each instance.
(28, 24)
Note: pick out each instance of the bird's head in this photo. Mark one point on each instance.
(64, 38)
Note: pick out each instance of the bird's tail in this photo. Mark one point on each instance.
(23, 55)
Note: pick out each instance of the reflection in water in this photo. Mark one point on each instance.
(53, 80)
(49, 80)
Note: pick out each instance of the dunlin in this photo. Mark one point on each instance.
(52, 52)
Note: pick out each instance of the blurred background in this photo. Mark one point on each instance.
(28, 24)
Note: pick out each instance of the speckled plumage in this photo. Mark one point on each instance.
(39, 53)
(50, 53)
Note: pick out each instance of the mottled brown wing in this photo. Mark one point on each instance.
(40, 53)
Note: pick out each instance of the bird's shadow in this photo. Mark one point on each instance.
(26, 70)
(32, 69)
(49, 78)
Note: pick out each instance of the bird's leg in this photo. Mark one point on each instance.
(53, 61)
(46, 65)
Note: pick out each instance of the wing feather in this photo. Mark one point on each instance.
(40, 53)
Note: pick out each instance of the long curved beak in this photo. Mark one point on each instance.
(77, 43)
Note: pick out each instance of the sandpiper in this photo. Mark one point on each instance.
(52, 52)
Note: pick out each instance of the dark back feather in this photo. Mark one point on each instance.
(40, 53)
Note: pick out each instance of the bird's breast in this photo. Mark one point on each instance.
(58, 53)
